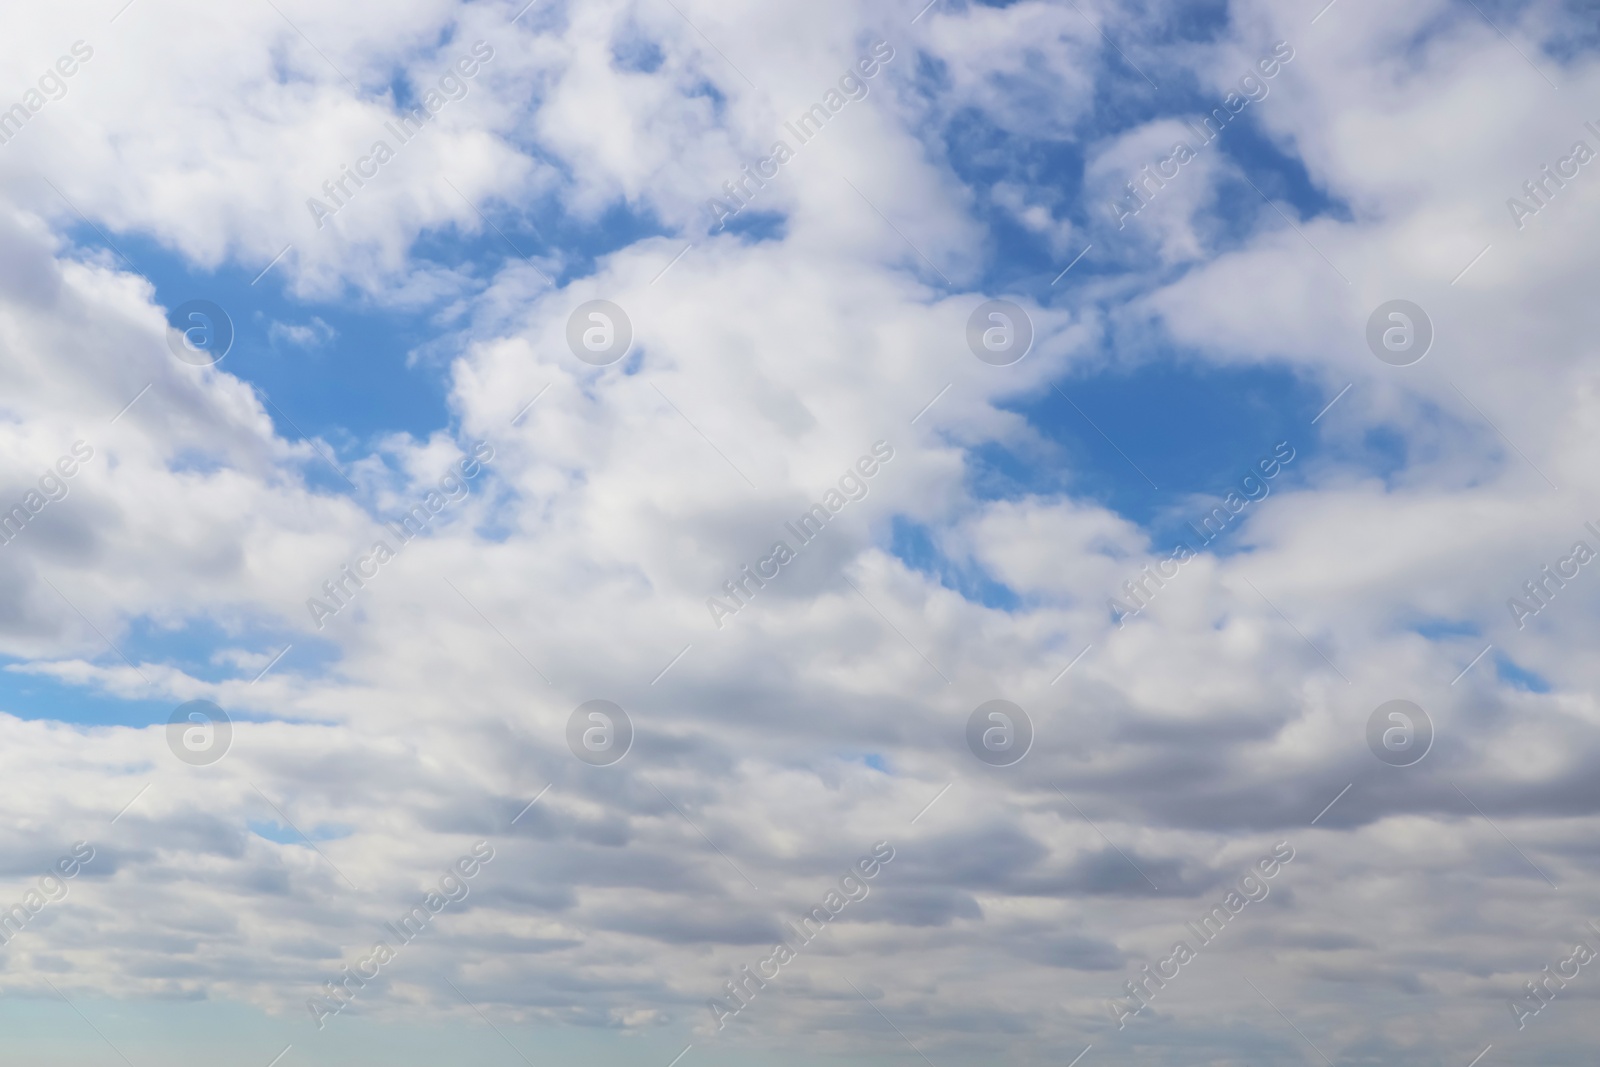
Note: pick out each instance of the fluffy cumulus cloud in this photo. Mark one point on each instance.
(775, 501)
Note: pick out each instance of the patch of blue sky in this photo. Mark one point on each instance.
(277, 833)
(1162, 417)
(916, 546)
(1577, 37)
(1276, 173)
(1517, 675)
(1146, 440)
(408, 86)
(538, 229)
(1263, 189)
(1444, 629)
(632, 50)
(1161, 443)
(709, 91)
(199, 648)
(41, 696)
(1018, 260)
(1195, 21)
(752, 227)
(1050, 165)
(348, 380)
(1384, 452)
(348, 369)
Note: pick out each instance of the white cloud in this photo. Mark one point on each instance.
(425, 715)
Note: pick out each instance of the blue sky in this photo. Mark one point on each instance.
(438, 710)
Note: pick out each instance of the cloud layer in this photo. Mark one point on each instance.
(774, 747)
